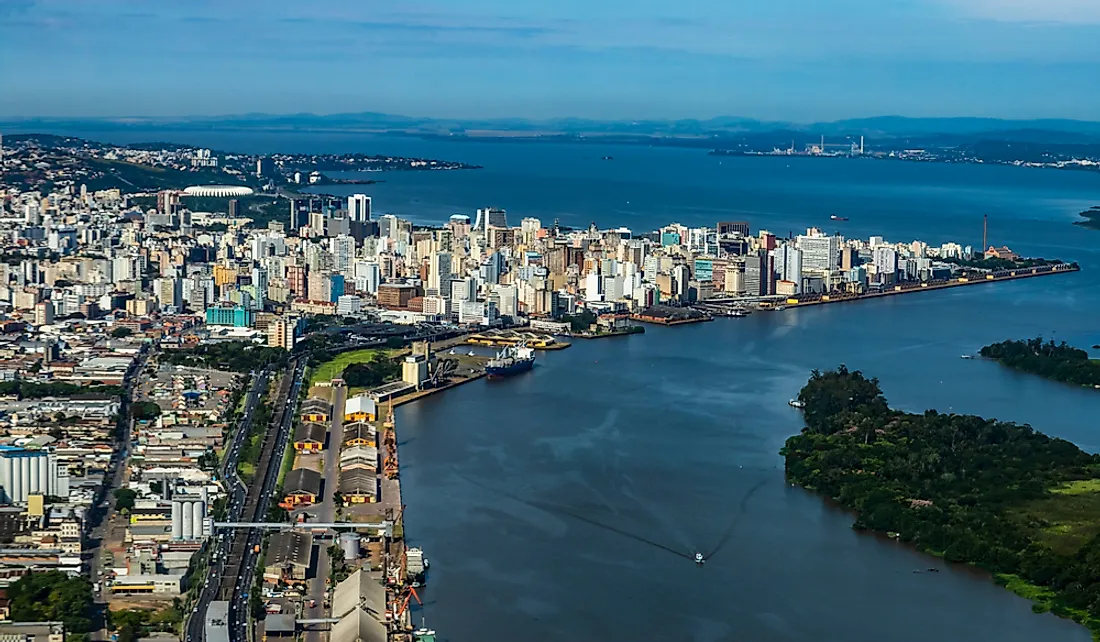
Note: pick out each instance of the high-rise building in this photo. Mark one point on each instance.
(788, 264)
(886, 263)
(439, 273)
(359, 208)
(820, 253)
(733, 228)
(490, 217)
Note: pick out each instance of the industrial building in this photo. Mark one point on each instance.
(302, 486)
(288, 556)
(360, 590)
(189, 515)
(32, 631)
(147, 584)
(359, 433)
(358, 485)
(315, 409)
(360, 408)
(309, 437)
(25, 472)
(361, 457)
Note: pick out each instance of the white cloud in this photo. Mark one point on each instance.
(1070, 12)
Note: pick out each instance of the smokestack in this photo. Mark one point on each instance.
(985, 233)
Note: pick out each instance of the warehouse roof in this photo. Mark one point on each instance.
(358, 481)
(290, 547)
(359, 590)
(311, 431)
(303, 480)
(358, 626)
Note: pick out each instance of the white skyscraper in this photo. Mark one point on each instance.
(788, 264)
(359, 208)
(820, 253)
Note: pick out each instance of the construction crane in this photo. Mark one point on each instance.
(404, 604)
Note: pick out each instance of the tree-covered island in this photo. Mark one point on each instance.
(1057, 361)
(1000, 496)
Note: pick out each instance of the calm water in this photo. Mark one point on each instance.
(674, 435)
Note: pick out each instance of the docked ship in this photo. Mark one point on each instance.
(512, 360)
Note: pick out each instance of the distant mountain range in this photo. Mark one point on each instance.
(1037, 130)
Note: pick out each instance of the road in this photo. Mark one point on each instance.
(238, 608)
(236, 492)
(326, 511)
(103, 510)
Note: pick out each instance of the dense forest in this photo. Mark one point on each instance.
(238, 356)
(1057, 361)
(996, 495)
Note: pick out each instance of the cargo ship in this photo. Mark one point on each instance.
(510, 361)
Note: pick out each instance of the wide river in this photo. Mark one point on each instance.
(673, 436)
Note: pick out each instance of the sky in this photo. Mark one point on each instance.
(797, 60)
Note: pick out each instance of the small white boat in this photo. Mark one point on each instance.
(471, 353)
(699, 559)
(452, 351)
(795, 403)
(967, 356)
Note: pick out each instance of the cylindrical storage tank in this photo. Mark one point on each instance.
(177, 520)
(196, 519)
(39, 473)
(6, 478)
(51, 475)
(21, 476)
(349, 543)
(188, 520)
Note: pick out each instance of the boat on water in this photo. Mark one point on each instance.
(510, 361)
(424, 635)
(795, 403)
(967, 356)
(834, 217)
(699, 559)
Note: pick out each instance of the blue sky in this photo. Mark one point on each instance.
(797, 60)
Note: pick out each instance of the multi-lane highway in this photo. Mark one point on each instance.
(236, 493)
(257, 499)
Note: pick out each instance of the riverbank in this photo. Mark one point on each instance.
(908, 288)
(990, 494)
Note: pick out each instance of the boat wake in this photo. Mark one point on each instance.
(557, 509)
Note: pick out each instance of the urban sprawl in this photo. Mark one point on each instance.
(153, 353)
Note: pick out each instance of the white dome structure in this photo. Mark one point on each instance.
(218, 190)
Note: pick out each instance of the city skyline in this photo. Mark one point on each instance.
(790, 60)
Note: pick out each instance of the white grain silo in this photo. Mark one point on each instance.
(5, 479)
(197, 514)
(188, 520)
(177, 519)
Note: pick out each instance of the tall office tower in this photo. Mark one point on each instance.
(439, 273)
(820, 253)
(359, 208)
(788, 264)
(490, 217)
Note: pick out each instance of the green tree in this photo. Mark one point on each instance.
(145, 410)
(52, 596)
(121, 332)
(124, 499)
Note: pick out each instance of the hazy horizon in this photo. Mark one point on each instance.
(787, 60)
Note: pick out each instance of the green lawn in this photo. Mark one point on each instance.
(330, 370)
